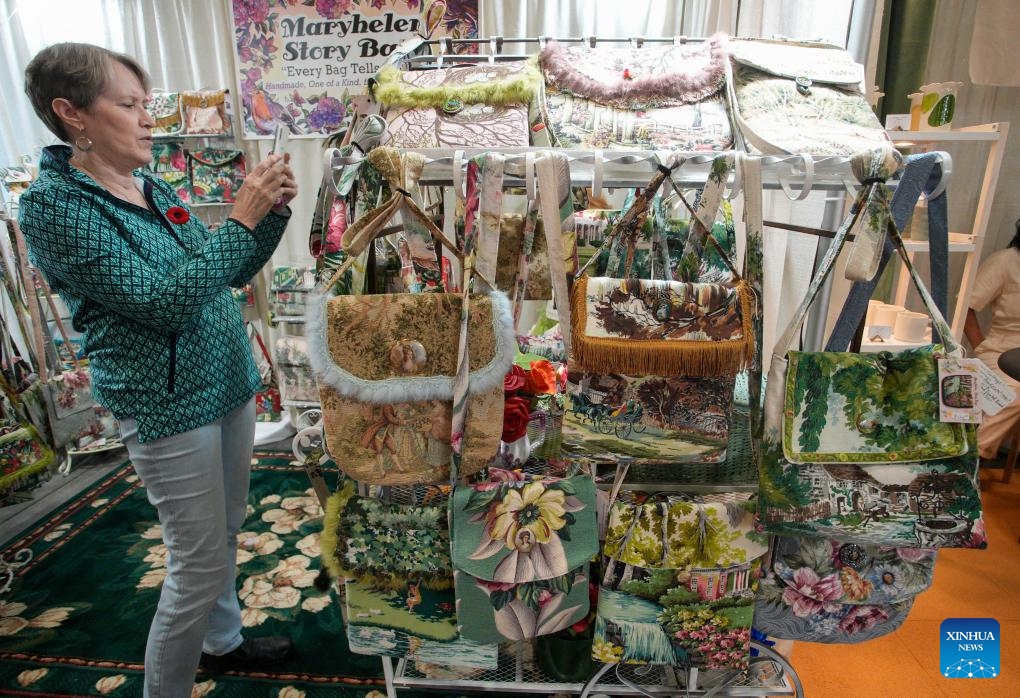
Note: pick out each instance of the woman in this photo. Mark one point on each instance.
(997, 285)
(169, 355)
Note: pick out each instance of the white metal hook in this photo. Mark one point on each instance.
(809, 180)
(637, 41)
(739, 163)
(542, 39)
(947, 172)
(458, 174)
(442, 54)
(592, 40)
(492, 51)
(328, 156)
(597, 172)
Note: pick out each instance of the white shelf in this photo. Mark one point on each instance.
(288, 319)
(983, 132)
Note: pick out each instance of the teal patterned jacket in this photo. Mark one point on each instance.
(165, 340)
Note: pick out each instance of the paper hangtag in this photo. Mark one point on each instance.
(959, 390)
(995, 393)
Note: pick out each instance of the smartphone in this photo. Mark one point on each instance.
(280, 139)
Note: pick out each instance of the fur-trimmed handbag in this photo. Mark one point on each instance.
(658, 97)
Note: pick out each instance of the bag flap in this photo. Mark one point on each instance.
(841, 407)
(524, 530)
(203, 99)
(495, 84)
(660, 327)
(817, 62)
(215, 157)
(392, 348)
(700, 534)
(832, 572)
(632, 77)
(163, 105)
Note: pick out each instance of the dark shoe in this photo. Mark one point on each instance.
(254, 653)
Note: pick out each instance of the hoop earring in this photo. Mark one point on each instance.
(83, 143)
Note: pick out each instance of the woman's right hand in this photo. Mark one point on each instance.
(267, 184)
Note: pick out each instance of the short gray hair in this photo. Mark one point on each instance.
(76, 72)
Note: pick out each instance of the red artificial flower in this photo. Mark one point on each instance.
(515, 379)
(516, 411)
(541, 379)
(626, 74)
(178, 215)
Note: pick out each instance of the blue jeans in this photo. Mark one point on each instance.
(198, 482)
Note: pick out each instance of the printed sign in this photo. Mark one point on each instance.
(969, 648)
(301, 62)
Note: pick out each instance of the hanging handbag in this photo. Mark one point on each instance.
(678, 576)
(853, 448)
(170, 163)
(520, 552)
(385, 364)
(480, 105)
(66, 394)
(268, 404)
(799, 97)
(654, 363)
(24, 457)
(393, 556)
(165, 109)
(818, 590)
(657, 97)
(216, 174)
(205, 113)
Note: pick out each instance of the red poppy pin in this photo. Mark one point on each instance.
(178, 215)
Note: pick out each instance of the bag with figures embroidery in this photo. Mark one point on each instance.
(206, 113)
(216, 174)
(663, 97)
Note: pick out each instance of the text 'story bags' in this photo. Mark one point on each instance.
(853, 449)
(799, 97)
(481, 105)
(678, 580)
(521, 547)
(656, 96)
(820, 590)
(394, 559)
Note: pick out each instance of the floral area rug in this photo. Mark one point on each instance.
(75, 621)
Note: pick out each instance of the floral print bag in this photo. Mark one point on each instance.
(520, 552)
(678, 577)
(821, 590)
(216, 174)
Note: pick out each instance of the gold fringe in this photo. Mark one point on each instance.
(655, 357)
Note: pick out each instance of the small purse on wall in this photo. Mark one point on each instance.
(170, 163)
(818, 590)
(799, 97)
(165, 109)
(853, 449)
(205, 113)
(483, 105)
(216, 174)
(657, 97)
(23, 457)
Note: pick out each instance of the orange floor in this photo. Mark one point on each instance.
(968, 584)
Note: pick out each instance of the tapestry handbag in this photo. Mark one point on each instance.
(656, 96)
(66, 394)
(520, 552)
(393, 556)
(678, 578)
(206, 113)
(853, 448)
(170, 163)
(165, 109)
(481, 105)
(24, 457)
(386, 364)
(799, 97)
(654, 362)
(216, 174)
(819, 590)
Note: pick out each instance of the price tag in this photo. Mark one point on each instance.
(995, 393)
(959, 390)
